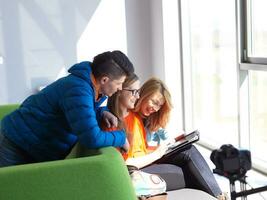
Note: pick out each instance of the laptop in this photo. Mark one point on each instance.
(183, 141)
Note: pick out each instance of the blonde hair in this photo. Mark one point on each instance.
(160, 118)
(114, 101)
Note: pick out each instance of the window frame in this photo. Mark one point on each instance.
(247, 63)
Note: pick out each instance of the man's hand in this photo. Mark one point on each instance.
(109, 119)
(125, 148)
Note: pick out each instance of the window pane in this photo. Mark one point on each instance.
(257, 28)
(258, 115)
(213, 66)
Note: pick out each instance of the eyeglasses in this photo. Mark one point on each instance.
(156, 105)
(134, 92)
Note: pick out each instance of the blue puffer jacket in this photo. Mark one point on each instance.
(49, 123)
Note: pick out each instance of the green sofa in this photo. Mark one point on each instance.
(97, 174)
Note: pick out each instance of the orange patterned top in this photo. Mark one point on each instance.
(136, 136)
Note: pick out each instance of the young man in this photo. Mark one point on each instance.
(48, 124)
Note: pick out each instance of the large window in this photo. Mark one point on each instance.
(258, 116)
(257, 28)
(224, 64)
(254, 45)
(210, 57)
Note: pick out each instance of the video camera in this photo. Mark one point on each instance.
(230, 161)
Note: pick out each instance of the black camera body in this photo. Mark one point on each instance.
(230, 161)
(233, 164)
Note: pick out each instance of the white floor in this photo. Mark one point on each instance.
(254, 179)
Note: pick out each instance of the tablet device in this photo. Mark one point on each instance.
(183, 140)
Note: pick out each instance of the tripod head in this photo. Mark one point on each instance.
(231, 177)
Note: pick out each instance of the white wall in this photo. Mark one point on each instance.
(138, 23)
(145, 37)
(40, 40)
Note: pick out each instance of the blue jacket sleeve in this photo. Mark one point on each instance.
(80, 111)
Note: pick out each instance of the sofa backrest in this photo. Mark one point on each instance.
(100, 177)
(6, 109)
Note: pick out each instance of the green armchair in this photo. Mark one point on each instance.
(99, 174)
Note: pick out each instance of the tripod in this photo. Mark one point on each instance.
(242, 179)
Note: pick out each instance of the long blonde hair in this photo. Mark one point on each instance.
(160, 118)
(114, 101)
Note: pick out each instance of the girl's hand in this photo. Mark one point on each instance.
(161, 149)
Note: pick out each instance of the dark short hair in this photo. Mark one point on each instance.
(113, 64)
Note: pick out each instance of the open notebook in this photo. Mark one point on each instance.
(183, 141)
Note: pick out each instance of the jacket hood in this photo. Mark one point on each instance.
(82, 70)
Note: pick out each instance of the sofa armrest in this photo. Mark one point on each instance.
(101, 176)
